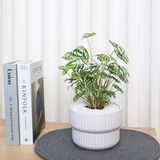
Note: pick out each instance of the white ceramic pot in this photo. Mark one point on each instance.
(95, 131)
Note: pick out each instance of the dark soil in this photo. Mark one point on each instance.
(96, 107)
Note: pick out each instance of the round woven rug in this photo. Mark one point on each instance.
(133, 145)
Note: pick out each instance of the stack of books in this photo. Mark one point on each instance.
(24, 101)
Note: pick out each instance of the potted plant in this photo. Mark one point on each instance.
(95, 79)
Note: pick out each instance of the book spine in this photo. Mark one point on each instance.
(25, 104)
(11, 104)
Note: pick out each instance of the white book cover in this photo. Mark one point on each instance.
(31, 101)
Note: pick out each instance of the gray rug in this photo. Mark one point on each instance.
(133, 145)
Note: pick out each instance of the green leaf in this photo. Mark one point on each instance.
(68, 56)
(116, 80)
(125, 72)
(92, 68)
(77, 96)
(72, 61)
(70, 80)
(64, 69)
(110, 93)
(103, 57)
(61, 67)
(105, 75)
(78, 68)
(76, 90)
(123, 57)
(85, 55)
(80, 86)
(74, 75)
(118, 88)
(105, 98)
(113, 68)
(87, 91)
(92, 85)
(75, 53)
(121, 72)
(70, 66)
(87, 35)
(124, 79)
(72, 84)
(88, 78)
(120, 52)
(95, 92)
(120, 49)
(113, 43)
(80, 53)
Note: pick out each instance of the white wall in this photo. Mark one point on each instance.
(155, 67)
(1, 91)
(46, 29)
(139, 51)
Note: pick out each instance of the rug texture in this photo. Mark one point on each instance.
(133, 145)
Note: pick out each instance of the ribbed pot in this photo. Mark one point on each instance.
(95, 131)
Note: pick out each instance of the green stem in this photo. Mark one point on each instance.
(93, 60)
(111, 53)
(69, 74)
(101, 76)
(92, 100)
(90, 49)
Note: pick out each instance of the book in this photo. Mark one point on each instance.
(31, 101)
(11, 103)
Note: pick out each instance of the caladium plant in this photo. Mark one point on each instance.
(95, 79)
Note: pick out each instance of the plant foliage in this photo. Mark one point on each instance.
(95, 79)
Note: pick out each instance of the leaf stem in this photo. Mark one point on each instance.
(90, 49)
(111, 53)
(93, 60)
(69, 74)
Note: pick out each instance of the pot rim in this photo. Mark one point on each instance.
(70, 107)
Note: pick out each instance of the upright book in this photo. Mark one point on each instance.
(11, 103)
(31, 101)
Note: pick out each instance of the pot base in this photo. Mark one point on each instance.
(95, 141)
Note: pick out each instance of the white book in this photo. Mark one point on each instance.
(31, 101)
